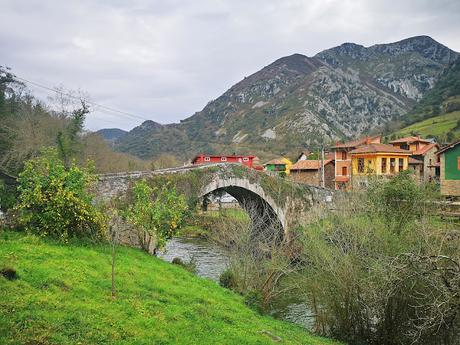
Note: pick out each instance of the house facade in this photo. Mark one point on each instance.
(377, 160)
(450, 169)
(279, 165)
(343, 160)
(422, 150)
(208, 159)
(309, 172)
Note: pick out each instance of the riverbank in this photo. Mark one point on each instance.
(62, 296)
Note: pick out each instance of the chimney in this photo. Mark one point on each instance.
(368, 140)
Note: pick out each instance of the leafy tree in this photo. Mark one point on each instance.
(54, 200)
(68, 140)
(156, 213)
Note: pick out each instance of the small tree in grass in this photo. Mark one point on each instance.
(156, 213)
(54, 200)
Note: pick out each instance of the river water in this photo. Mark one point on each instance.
(211, 261)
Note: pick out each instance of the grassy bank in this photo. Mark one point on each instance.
(62, 296)
(202, 224)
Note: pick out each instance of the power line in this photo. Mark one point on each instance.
(77, 98)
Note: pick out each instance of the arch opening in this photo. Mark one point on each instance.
(266, 226)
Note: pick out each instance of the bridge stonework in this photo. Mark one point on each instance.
(291, 203)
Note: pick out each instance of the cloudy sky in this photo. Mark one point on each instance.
(164, 60)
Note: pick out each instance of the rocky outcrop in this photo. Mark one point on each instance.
(297, 100)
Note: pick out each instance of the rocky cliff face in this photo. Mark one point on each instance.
(342, 92)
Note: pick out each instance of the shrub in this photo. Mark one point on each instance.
(254, 300)
(156, 213)
(400, 200)
(371, 279)
(188, 266)
(8, 196)
(228, 280)
(54, 200)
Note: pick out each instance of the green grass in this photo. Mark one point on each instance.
(63, 296)
(435, 126)
(234, 213)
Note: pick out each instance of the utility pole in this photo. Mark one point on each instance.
(322, 166)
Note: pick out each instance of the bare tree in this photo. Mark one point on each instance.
(259, 254)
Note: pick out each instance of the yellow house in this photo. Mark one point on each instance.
(377, 160)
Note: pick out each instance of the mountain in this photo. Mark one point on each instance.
(443, 98)
(111, 134)
(297, 101)
(438, 112)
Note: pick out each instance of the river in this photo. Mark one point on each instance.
(211, 261)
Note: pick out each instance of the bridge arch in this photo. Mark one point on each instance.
(261, 208)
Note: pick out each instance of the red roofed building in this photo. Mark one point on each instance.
(342, 159)
(377, 160)
(424, 151)
(208, 159)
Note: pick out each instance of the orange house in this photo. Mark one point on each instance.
(423, 152)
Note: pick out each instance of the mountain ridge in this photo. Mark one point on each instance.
(299, 101)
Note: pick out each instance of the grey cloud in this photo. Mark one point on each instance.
(164, 60)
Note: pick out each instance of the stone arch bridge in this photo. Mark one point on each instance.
(274, 201)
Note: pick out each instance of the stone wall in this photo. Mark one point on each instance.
(448, 187)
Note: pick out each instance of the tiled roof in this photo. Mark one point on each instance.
(409, 140)
(379, 148)
(424, 149)
(309, 164)
(223, 155)
(354, 143)
(275, 161)
(448, 147)
(414, 161)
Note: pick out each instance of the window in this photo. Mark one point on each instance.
(384, 165)
(392, 165)
(207, 159)
(360, 165)
(223, 159)
(404, 146)
(401, 164)
(344, 155)
(344, 171)
(245, 159)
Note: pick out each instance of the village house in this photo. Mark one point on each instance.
(377, 160)
(423, 151)
(309, 171)
(450, 169)
(208, 159)
(279, 165)
(342, 158)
